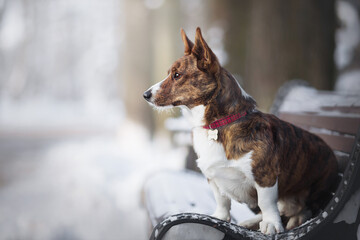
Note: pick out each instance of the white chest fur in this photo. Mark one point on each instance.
(233, 177)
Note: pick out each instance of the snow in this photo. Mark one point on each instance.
(192, 231)
(330, 132)
(307, 99)
(348, 36)
(73, 164)
(216, 39)
(153, 4)
(178, 124)
(341, 154)
(347, 39)
(173, 192)
(44, 112)
(349, 82)
(86, 189)
(12, 27)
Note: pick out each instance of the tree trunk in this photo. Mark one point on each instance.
(136, 62)
(271, 42)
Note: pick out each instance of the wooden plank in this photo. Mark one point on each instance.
(339, 143)
(336, 142)
(342, 109)
(342, 124)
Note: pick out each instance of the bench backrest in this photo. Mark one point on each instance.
(333, 116)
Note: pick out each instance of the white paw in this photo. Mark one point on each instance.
(222, 215)
(271, 228)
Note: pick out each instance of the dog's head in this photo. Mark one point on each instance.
(192, 79)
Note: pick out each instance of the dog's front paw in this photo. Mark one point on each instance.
(271, 228)
(222, 215)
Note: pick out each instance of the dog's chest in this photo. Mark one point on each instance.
(233, 177)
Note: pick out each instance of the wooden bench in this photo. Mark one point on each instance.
(179, 203)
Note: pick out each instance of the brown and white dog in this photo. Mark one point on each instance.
(254, 158)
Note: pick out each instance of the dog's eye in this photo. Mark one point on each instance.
(176, 76)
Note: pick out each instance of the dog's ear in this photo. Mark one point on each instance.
(187, 43)
(207, 60)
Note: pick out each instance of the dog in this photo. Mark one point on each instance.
(276, 168)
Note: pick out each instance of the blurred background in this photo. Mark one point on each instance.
(77, 141)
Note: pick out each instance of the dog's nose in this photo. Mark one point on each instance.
(147, 95)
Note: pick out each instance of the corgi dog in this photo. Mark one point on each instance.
(252, 157)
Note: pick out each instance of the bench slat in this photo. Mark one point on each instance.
(342, 124)
(342, 109)
(336, 142)
(339, 143)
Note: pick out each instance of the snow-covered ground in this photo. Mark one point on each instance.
(80, 188)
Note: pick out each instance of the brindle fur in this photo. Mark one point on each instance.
(303, 164)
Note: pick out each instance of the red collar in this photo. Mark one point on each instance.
(226, 120)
